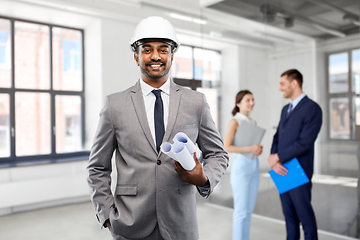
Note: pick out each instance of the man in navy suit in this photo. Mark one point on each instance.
(298, 129)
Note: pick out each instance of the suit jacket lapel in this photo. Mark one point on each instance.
(300, 104)
(175, 96)
(138, 102)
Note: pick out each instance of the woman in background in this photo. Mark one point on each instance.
(245, 171)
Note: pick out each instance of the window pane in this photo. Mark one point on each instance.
(32, 65)
(5, 54)
(67, 59)
(357, 110)
(338, 73)
(32, 123)
(212, 99)
(207, 65)
(182, 64)
(356, 123)
(339, 118)
(68, 124)
(356, 71)
(4, 125)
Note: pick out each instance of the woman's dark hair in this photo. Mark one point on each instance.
(239, 96)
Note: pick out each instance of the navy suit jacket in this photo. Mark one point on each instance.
(296, 134)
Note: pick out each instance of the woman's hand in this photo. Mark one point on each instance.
(256, 149)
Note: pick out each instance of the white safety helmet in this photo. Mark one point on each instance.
(153, 29)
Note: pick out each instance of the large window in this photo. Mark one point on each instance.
(199, 69)
(41, 92)
(344, 95)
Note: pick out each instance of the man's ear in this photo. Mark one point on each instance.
(136, 57)
(294, 83)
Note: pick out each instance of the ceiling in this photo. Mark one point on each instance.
(266, 24)
(314, 18)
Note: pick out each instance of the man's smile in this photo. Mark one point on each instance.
(155, 66)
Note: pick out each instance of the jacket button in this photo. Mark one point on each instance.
(158, 162)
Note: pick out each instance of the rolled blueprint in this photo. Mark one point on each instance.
(183, 156)
(182, 151)
(182, 137)
(166, 147)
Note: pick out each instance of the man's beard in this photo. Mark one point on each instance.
(150, 75)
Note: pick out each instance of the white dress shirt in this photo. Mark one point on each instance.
(149, 101)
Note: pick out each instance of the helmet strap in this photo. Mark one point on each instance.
(136, 44)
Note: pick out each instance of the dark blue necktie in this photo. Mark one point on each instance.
(289, 109)
(158, 118)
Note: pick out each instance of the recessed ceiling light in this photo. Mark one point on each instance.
(188, 18)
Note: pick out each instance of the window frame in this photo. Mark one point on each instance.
(53, 157)
(197, 83)
(350, 94)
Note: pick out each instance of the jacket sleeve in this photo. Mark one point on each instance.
(216, 159)
(308, 134)
(274, 145)
(99, 166)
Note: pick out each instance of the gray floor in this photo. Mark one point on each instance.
(332, 204)
(334, 200)
(77, 222)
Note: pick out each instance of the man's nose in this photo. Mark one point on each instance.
(155, 55)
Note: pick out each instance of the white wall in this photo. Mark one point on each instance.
(93, 78)
(119, 67)
(230, 85)
(108, 68)
(254, 76)
(301, 58)
(31, 187)
(339, 157)
(322, 49)
(259, 70)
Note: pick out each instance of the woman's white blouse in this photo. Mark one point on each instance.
(241, 117)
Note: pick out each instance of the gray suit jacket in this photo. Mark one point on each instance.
(148, 190)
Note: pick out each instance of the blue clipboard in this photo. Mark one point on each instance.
(293, 179)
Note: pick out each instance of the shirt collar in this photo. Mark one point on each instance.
(146, 88)
(297, 100)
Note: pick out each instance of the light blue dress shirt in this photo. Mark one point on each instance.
(297, 100)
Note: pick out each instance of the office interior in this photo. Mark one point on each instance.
(245, 44)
